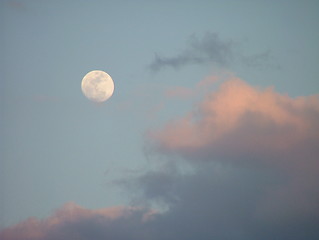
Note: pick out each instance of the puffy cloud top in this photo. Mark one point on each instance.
(239, 119)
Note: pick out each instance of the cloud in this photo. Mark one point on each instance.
(253, 155)
(241, 120)
(185, 93)
(257, 129)
(223, 202)
(179, 92)
(208, 49)
(75, 222)
(211, 49)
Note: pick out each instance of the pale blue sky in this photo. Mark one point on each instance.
(56, 146)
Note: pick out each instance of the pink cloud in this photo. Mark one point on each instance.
(69, 215)
(239, 118)
(260, 128)
(180, 92)
(208, 81)
(198, 88)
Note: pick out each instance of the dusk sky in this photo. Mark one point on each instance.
(212, 131)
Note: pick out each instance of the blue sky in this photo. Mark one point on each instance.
(59, 147)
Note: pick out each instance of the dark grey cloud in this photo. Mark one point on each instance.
(208, 49)
(214, 202)
(219, 203)
(211, 49)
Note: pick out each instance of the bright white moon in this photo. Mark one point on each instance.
(97, 86)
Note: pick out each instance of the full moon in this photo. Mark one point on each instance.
(97, 86)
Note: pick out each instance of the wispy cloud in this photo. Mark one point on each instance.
(210, 49)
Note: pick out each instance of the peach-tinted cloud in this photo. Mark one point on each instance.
(69, 215)
(186, 92)
(208, 81)
(180, 92)
(257, 128)
(239, 118)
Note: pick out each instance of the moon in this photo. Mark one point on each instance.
(97, 86)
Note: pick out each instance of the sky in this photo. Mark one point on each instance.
(212, 131)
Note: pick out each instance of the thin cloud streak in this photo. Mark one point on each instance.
(211, 49)
(208, 49)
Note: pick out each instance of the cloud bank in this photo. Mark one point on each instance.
(257, 129)
(255, 175)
